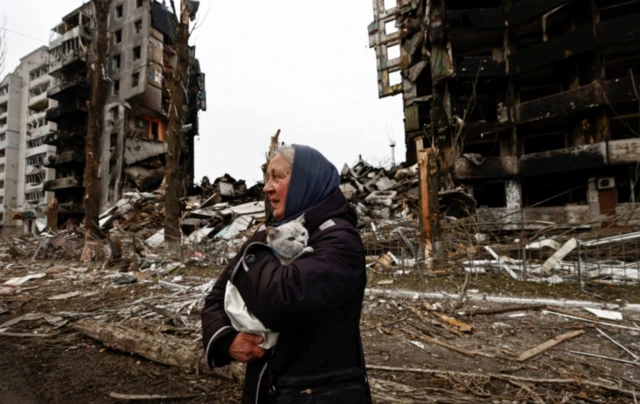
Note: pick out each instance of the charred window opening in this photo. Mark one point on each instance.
(3, 152)
(155, 131)
(116, 62)
(533, 92)
(138, 26)
(137, 53)
(119, 11)
(135, 80)
(609, 11)
(486, 149)
(490, 194)
(139, 3)
(118, 36)
(544, 142)
(472, 4)
(628, 186)
(617, 64)
(116, 86)
(555, 190)
(113, 145)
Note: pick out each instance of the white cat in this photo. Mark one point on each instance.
(289, 241)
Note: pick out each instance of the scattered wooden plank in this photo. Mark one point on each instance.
(606, 358)
(143, 397)
(26, 335)
(548, 345)
(484, 312)
(636, 357)
(574, 317)
(577, 382)
(464, 327)
(424, 338)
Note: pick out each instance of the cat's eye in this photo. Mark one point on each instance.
(291, 238)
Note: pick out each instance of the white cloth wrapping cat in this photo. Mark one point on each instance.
(288, 242)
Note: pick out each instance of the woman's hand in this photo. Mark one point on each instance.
(244, 347)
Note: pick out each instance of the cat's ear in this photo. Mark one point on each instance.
(301, 219)
(272, 232)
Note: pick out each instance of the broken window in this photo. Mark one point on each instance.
(628, 186)
(118, 36)
(135, 80)
(544, 142)
(116, 86)
(395, 78)
(140, 3)
(555, 190)
(393, 52)
(119, 11)
(116, 62)
(389, 4)
(138, 26)
(2, 152)
(490, 194)
(113, 140)
(155, 131)
(137, 52)
(486, 149)
(390, 27)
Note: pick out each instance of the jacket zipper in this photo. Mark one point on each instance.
(264, 368)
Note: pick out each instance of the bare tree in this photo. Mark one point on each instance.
(177, 84)
(97, 76)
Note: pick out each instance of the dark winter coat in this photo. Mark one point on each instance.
(315, 302)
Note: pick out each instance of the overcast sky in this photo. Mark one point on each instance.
(302, 67)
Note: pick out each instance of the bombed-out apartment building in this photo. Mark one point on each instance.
(23, 150)
(534, 104)
(142, 36)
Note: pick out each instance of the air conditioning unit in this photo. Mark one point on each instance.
(606, 183)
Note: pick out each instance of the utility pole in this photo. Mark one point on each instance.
(176, 82)
(96, 75)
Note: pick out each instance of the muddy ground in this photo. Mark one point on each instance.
(56, 364)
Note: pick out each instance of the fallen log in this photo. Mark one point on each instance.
(164, 349)
(548, 345)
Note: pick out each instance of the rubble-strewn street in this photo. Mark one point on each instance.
(418, 350)
(472, 328)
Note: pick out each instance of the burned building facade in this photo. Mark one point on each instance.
(141, 45)
(533, 104)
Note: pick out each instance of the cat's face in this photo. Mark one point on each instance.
(289, 239)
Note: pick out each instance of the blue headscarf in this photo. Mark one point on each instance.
(313, 179)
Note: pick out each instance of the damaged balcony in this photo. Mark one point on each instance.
(76, 86)
(63, 183)
(76, 157)
(68, 110)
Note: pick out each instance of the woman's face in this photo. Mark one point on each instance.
(278, 177)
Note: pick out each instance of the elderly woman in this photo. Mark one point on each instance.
(314, 302)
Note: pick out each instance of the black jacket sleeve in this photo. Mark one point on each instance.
(217, 332)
